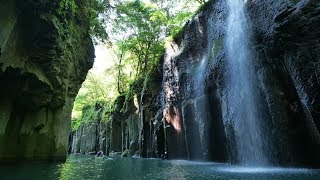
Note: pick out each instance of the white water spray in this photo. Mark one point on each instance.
(243, 101)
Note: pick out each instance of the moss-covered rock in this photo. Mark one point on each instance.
(45, 56)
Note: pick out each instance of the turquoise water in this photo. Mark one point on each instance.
(88, 167)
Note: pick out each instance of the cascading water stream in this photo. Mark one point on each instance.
(243, 101)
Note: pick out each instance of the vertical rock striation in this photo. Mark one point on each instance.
(199, 120)
(44, 60)
(285, 67)
(185, 109)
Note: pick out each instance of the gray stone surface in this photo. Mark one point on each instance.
(43, 63)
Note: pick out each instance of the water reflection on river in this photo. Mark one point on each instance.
(88, 167)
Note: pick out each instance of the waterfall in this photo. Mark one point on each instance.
(74, 144)
(141, 111)
(243, 101)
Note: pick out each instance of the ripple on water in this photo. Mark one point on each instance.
(87, 167)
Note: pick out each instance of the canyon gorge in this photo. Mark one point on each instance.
(240, 84)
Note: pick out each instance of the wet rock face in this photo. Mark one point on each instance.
(135, 125)
(114, 134)
(91, 137)
(299, 32)
(185, 113)
(288, 50)
(43, 64)
(192, 74)
(285, 36)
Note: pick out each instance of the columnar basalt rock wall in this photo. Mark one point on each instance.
(286, 62)
(43, 64)
(193, 74)
(90, 137)
(287, 50)
(183, 110)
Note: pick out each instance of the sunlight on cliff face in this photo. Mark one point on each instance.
(172, 116)
(170, 87)
(136, 103)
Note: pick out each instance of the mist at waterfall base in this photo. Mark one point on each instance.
(243, 101)
(89, 167)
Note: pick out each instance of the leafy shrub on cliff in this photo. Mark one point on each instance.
(139, 33)
(107, 112)
(98, 111)
(89, 114)
(90, 13)
(140, 30)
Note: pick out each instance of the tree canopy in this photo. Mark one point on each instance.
(136, 32)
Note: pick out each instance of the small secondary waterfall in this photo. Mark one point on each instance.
(243, 100)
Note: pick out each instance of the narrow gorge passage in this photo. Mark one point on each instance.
(160, 89)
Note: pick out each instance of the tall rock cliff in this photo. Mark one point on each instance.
(284, 42)
(44, 59)
(183, 109)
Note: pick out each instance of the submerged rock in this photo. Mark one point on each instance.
(134, 146)
(126, 153)
(115, 154)
(99, 154)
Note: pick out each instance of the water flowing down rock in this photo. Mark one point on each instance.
(242, 88)
(239, 84)
(233, 89)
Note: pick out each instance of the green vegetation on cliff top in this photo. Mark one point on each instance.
(136, 31)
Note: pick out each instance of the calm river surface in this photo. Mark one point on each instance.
(88, 167)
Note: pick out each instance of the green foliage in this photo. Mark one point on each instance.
(203, 5)
(96, 89)
(98, 13)
(88, 13)
(176, 23)
(141, 28)
(139, 32)
(67, 8)
(88, 115)
(75, 123)
(108, 110)
(91, 112)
